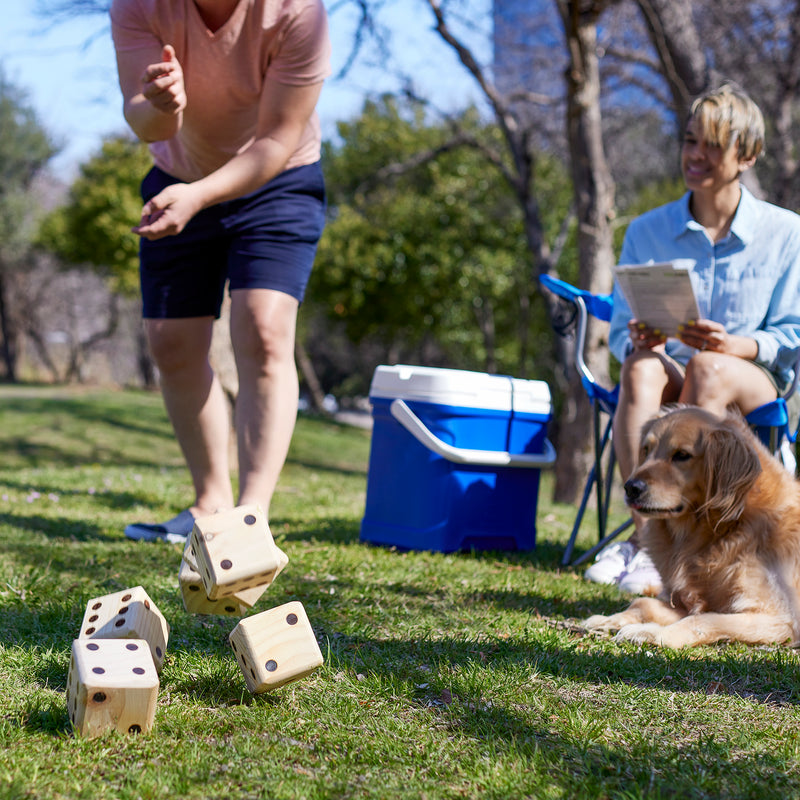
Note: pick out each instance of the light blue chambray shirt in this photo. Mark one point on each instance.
(749, 281)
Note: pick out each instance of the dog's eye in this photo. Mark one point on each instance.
(681, 455)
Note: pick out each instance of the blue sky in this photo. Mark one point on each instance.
(68, 72)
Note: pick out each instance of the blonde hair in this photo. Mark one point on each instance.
(727, 115)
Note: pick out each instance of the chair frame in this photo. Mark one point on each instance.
(770, 421)
(604, 402)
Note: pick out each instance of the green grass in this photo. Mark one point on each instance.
(445, 676)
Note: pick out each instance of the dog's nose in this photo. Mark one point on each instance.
(634, 488)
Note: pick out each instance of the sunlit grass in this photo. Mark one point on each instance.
(445, 675)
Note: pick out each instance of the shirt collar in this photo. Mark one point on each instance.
(744, 222)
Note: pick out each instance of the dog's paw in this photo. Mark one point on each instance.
(641, 633)
(599, 623)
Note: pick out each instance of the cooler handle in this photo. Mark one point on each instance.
(459, 455)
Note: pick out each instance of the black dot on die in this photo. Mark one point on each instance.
(92, 646)
(226, 563)
(291, 619)
(131, 646)
(249, 519)
(98, 670)
(271, 665)
(138, 671)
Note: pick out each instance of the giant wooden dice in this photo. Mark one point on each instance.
(275, 647)
(245, 597)
(195, 599)
(129, 614)
(235, 552)
(112, 685)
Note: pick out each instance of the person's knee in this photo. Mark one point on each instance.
(263, 329)
(642, 377)
(267, 342)
(705, 374)
(175, 348)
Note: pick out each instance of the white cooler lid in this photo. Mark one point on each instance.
(458, 387)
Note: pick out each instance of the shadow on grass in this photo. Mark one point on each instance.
(330, 530)
(82, 430)
(452, 678)
(774, 682)
(148, 420)
(58, 527)
(344, 530)
(321, 466)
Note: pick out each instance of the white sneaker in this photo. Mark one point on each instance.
(786, 456)
(641, 576)
(611, 563)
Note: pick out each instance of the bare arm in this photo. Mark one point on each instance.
(283, 115)
(153, 93)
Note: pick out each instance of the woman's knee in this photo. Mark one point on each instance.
(716, 381)
(705, 372)
(643, 374)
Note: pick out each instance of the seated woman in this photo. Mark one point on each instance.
(746, 275)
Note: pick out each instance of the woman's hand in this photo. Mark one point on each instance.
(643, 336)
(705, 334)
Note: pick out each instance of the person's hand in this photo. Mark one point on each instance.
(705, 334)
(643, 336)
(168, 212)
(162, 83)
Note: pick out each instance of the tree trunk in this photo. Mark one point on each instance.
(147, 367)
(680, 51)
(310, 378)
(594, 201)
(787, 86)
(8, 329)
(81, 348)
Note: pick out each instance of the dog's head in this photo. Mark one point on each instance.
(693, 462)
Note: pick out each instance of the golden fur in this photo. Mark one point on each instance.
(722, 525)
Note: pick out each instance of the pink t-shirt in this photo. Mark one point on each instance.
(224, 72)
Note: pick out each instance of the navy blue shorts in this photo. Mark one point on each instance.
(264, 240)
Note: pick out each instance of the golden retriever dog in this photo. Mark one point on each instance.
(722, 525)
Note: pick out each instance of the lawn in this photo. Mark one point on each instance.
(445, 676)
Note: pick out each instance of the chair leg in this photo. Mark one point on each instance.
(602, 543)
(587, 490)
(610, 466)
(596, 481)
(600, 442)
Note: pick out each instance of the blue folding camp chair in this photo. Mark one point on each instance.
(777, 425)
(604, 405)
(771, 422)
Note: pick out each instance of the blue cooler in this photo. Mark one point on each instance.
(455, 459)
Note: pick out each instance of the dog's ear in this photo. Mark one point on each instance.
(731, 469)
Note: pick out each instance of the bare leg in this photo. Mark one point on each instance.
(263, 335)
(196, 406)
(647, 382)
(717, 380)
